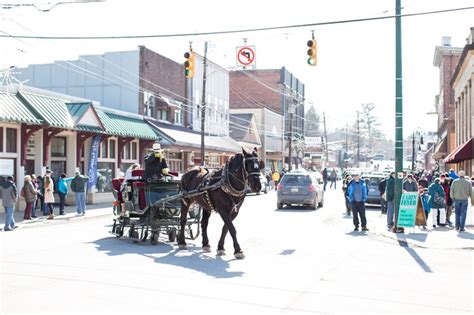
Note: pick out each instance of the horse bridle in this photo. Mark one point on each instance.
(228, 188)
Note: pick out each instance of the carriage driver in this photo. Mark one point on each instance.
(155, 163)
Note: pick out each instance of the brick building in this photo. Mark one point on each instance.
(446, 58)
(279, 91)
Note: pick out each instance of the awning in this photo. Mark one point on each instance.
(461, 153)
(184, 137)
(12, 109)
(441, 150)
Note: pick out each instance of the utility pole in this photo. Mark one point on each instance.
(358, 139)
(203, 105)
(398, 113)
(347, 141)
(413, 152)
(291, 111)
(325, 138)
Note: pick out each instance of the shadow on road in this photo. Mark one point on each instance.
(294, 209)
(191, 258)
(415, 256)
(195, 259)
(466, 235)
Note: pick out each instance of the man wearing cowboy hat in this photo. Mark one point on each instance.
(155, 164)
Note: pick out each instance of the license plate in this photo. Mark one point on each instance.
(294, 189)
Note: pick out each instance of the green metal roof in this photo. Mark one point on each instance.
(13, 110)
(77, 110)
(52, 109)
(125, 126)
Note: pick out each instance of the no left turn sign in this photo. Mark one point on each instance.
(245, 56)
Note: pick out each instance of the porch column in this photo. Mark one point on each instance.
(48, 134)
(26, 133)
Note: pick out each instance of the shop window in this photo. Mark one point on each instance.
(126, 152)
(58, 147)
(105, 173)
(58, 167)
(11, 140)
(1, 139)
(103, 149)
(134, 151)
(112, 149)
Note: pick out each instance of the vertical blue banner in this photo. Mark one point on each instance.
(93, 162)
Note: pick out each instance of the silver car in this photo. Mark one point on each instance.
(299, 188)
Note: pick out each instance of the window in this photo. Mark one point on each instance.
(134, 150)
(149, 104)
(11, 140)
(58, 147)
(112, 149)
(1, 139)
(178, 116)
(126, 151)
(103, 149)
(162, 114)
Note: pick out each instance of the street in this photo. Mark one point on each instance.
(297, 261)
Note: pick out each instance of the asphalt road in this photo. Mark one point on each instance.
(297, 261)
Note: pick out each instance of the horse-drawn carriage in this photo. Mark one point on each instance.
(150, 208)
(176, 207)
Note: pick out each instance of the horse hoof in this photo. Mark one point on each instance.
(239, 255)
(182, 246)
(206, 249)
(220, 252)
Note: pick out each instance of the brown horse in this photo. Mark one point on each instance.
(222, 191)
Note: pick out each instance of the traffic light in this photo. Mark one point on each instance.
(312, 60)
(189, 64)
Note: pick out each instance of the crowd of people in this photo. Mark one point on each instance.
(38, 194)
(441, 195)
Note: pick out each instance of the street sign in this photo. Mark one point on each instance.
(407, 210)
(245, 56)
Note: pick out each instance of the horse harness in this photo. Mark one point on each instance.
(223, 183)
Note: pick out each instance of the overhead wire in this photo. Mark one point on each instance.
(248, 30)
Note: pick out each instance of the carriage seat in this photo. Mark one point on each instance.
(141, 194)
(116, 185)
(138, 173)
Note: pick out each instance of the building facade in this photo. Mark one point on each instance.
(446, 58)
(277, 90)
(463, 154)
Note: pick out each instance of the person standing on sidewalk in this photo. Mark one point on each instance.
(276, 179)
(79, 187)
(460, 192)
(437, 202)
(345, 185)
(40, 182)
(325, 177)
(49, 194)
(62, 191)
(34, 182)
(358, 196)
(383, 202)
(9, 199)
(410, 185)
(30, 194)
(390, 196)
(446, 184)
(333, 178)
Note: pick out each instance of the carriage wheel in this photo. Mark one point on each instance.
(144, 235)
(154, 238)
(172, 234)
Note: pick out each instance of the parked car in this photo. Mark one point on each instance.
(299, 188)
(265, 186)
(372, 182)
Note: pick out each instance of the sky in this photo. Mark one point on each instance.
(356, 61)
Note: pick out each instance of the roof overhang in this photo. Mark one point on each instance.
(462, 152)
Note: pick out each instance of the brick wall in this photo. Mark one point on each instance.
(449, 66)
(164, 76)
(247, 92)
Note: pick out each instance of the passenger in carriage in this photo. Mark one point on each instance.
(129, 175)
(155, 164)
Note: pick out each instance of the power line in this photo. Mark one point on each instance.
(375, 18)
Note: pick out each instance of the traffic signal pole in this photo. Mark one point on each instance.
(203, 105)
(398, 112)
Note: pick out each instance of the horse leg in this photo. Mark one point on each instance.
(227, 218)
(183, 220)
(206, 213)
(220, 245)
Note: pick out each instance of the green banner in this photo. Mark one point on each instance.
(407, 212)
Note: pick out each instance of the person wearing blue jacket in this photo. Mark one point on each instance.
(62, 191)
(357, 193)
(437, 202)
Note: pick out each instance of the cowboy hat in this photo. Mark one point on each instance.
(157, 147)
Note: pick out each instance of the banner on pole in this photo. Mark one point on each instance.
(93, 162)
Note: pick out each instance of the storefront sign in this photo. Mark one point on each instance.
(93, 162)
(408, 207)
(6, 167)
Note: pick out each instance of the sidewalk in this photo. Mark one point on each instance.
(95, 210)
(433, 238)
